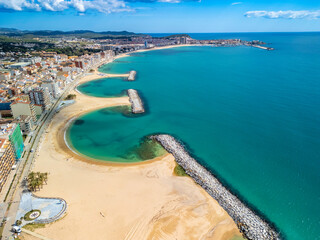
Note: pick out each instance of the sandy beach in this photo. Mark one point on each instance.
(152, 49)
(122, 201)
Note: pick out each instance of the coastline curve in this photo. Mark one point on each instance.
(73, 153)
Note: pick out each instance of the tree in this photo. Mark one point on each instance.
(36, 180)
(45, 177)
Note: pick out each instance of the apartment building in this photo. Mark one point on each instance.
(7, 160)
(20, 107)
(40, 96)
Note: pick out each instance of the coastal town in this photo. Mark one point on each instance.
(32, 90)
(35, 83)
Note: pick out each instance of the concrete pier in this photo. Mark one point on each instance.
(263, 47)
(249, 223)
(132, 76)
(136, 103)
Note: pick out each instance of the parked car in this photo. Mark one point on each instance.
(16, 229)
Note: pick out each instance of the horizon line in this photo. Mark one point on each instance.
(317, 31)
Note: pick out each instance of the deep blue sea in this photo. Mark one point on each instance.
(251, 116)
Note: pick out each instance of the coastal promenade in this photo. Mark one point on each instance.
(12, 200)
(15, 193)
(252, 226)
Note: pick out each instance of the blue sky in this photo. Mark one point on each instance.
(162, 16)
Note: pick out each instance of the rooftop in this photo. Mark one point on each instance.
(6, 129)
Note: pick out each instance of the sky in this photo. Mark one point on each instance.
(162, 16)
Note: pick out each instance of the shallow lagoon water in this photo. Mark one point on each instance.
(251, 116)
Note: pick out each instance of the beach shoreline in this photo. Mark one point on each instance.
(96, 74)
(144, 199)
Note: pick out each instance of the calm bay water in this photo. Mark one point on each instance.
(251, 116)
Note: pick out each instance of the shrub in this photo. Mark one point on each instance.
(28, 217)
(179, 171)
(70, 97)
(18, 222)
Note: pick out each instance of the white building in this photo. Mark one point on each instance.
(21, 107)
(52, 87)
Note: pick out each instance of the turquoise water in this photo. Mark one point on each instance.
(251, 116)
(115, 87)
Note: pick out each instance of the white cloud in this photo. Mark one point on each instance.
(105, 6)
(284, 14)
(236, 3)
(19, 5)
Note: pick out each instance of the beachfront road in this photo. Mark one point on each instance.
(14, 195)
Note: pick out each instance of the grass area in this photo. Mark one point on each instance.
(238, 238)
(1, 230)
(70, 97)
(10, 187)
(34, 226)
(28, 217)
(179, 171)
(7, 39)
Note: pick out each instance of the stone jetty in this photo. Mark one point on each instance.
(263, 47)
(249, 223)
(136, 103)
(132, 76)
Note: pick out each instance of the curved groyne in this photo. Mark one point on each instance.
(249, 223)
(132, 76)
(136, 102)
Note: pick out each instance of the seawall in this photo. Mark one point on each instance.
(249, 223)
(136, 103)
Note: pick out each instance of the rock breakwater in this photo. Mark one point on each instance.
(249, 223)
(132, 76)
(136, 103)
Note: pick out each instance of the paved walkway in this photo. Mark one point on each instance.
(25, 164)
(17, 187)
(35, 234)
(51, 208)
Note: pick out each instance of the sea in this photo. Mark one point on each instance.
(249, 115)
